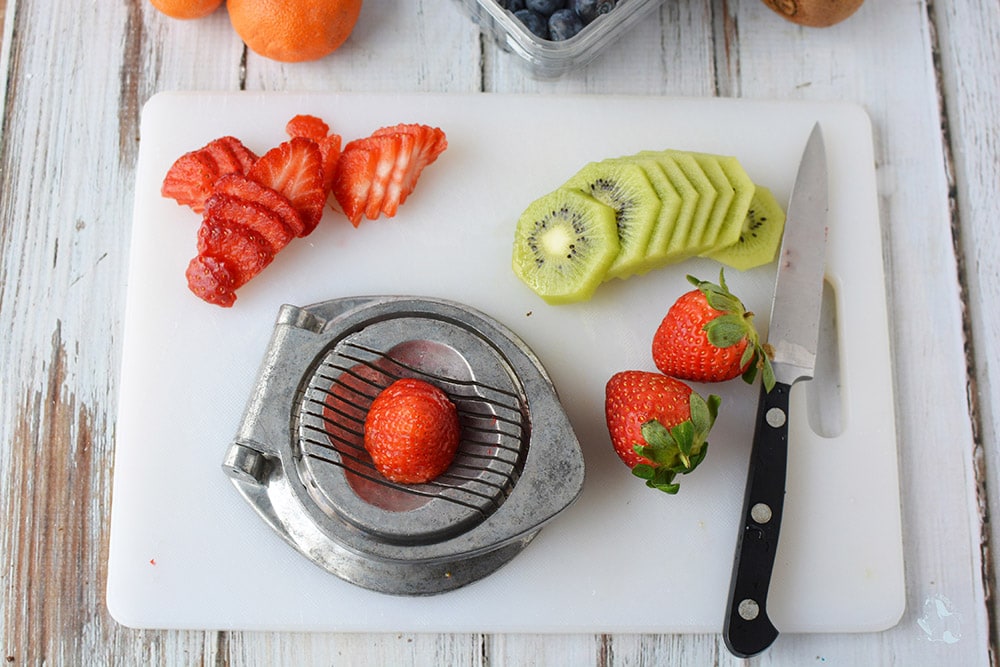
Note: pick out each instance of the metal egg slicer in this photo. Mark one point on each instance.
(299, 459)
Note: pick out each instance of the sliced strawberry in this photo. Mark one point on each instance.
(209, 279)
(329, 148)
(352, 180)
(244, 156)
(391, 160)
(315, 128)
(224, 156)
(310, 127)
(189, 179)
(257, 217)
(387, 150)
(244, 251)
(295, 169)
(243, 188)
(412, 431)
(428, 143)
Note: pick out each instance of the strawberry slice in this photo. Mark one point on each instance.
(241, 187)
(387, 150)
(244, 252)
(190, 178)
(209, 279)
(428, 143)
(376, 174)
(295, 169)
(329, 148)
(244, 156)
(310, 127)
(352, 180)
(315, 128)
(258, 218)
(225, 158)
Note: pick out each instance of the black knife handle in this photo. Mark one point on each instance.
(748, 630)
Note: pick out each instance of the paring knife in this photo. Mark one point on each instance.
(793, 335)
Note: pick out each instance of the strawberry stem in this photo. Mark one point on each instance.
(678, 450)
(735, 324)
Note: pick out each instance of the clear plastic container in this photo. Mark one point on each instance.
(547, 59)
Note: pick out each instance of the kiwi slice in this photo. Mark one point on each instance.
(627, 190)
(658, 251)
(693, 241)
(564, 243)
(724, 194)
(677, 245)
(743, 189)
(760, 235)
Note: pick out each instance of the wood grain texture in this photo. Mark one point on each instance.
(69, 140)
(968, 39)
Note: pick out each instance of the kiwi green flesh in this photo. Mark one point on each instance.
(743, 189)
(760, 234)
(564, 244)
(694, 239)
(626, 189)
(658, 251)
(724, 194)
(678, 247)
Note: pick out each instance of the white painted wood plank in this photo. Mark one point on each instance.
(969, 38)
(422, 45)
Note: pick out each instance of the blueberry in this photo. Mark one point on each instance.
(534, 22)
(512, 5)
(564, 23)
(544, 7)
(591, 9)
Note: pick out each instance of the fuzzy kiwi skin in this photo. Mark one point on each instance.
(814, 13)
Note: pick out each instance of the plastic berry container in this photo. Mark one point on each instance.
(548, 58)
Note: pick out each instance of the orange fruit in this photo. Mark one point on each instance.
(186, 9)
(293, 30)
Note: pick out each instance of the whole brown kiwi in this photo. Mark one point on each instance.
(814, 13)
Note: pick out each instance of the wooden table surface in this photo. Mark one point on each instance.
(72, 85)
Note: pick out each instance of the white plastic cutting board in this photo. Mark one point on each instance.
(186, 551)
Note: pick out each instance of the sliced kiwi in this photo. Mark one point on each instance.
(564, 243)
(694, 240)
(724, 197)
(677, 246)
(627, 190)
(760, 236)
(658, 251)
(743, 189)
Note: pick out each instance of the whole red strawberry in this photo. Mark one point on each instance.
(658, 425)
(412, 431)
(709, 336)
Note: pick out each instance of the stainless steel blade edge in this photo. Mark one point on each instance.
(793, 332)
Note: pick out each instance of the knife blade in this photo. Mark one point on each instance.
(793, 337)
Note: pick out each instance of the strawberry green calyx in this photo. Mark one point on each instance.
(735, 324)
(677, 450)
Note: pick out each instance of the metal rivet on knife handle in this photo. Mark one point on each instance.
(760, 513)
(748, 610)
